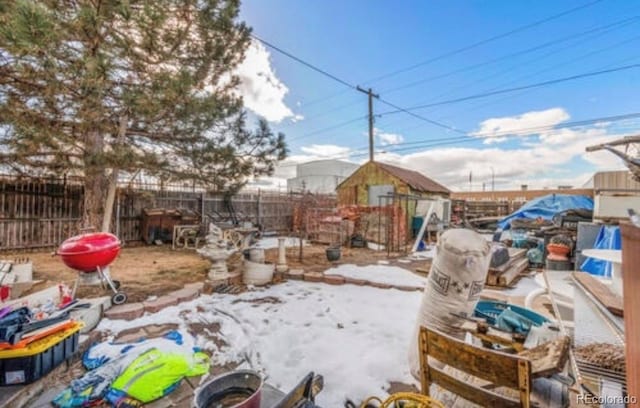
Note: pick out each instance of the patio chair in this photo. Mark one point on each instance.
(492, 368)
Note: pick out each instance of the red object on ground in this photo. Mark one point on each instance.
(558, 252)
(88, 252)
(5, 291)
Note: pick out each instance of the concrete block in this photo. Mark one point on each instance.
(295, 274)
(334, 279)
(154, 306)
(313, 277)
(159, 330)
(184, 295)
(379, 285)
(90, 316)
(131, 335)
(199, 286)
(128, 311)
(354, 281)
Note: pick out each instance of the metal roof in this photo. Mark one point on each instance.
(415, 180)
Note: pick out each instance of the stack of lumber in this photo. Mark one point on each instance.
(505, 274)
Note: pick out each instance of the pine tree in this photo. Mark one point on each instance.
(100, 87)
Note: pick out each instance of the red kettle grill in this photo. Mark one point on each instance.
(92, 253)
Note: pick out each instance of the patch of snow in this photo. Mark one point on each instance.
(383, 262)
(357, 337)
(392, 275)
(374, 246)
(428, 253)
(272, 242)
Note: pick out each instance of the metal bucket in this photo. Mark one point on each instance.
(237, 389)
(333, 254)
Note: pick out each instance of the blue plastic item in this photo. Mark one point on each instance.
(547, 206)
(508, 317)
(608, 238)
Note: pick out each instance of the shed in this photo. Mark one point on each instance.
(386, 197)
(374, 179)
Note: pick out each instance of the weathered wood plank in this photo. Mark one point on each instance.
(601, 292)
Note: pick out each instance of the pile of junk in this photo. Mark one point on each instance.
(547, 227)
(132, 374)
(38, 332)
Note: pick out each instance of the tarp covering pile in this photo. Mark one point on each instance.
(547, 206)
(608, 238)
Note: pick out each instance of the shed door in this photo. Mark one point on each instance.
(379, 190)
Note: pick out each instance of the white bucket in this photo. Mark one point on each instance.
(257, 273)
(256, 255)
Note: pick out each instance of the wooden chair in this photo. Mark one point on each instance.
(499, 369)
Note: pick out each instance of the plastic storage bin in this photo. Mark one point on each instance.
(28, 364)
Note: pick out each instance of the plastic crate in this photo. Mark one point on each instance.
(28, 364)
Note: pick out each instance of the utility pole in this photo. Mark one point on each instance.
(371, 95)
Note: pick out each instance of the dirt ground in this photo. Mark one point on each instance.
(157, 270)
(143, 271)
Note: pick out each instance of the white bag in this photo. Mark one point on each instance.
(456, 278)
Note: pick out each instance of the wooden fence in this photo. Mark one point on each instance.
(41, 213)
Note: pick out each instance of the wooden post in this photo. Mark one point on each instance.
(631, 300)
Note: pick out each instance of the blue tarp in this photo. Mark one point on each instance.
(547, 206)
(608, 238)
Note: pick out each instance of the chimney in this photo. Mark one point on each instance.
(523, 187)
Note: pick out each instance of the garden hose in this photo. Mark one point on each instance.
(404, 400)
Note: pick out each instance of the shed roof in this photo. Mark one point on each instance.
(415, 180)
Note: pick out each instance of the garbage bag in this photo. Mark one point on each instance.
(155, 374)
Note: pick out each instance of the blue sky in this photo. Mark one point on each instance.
(358, 41)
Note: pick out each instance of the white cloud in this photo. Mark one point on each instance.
(260, 88)
(540, 164)
(545, 159)
(387, 138)
(494, 129)
(325, 151)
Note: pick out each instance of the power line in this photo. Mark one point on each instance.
(562, 64)
(606, 28)
(335, 78)
(519, 88)
(485, 41)
(303, 62)
(415, 115)
(480, 136)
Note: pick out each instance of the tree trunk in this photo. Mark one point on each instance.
(110, 200)
(95, 182)
(95, 189)
(113, 179)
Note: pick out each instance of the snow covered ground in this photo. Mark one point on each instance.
(357, 337)
(379, 273)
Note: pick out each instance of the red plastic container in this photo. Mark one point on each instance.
(88, 252)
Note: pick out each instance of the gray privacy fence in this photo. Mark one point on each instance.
(43, 212)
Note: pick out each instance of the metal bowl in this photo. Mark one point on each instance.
(237, 389)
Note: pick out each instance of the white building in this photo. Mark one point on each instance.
(320, 176)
